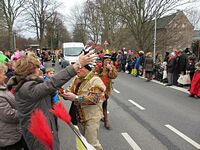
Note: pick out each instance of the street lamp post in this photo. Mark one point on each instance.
(14, 40)
(155, 38)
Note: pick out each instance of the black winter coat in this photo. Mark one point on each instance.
(171, 65)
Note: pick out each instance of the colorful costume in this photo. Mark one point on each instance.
(195, 85)
(106, 75)
(90, 91)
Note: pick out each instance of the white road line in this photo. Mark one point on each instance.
(137, 105)
(180, 89)
(195, 144)
(158, 82)
(116, 91)
(131, 141)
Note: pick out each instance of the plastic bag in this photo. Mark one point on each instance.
(134, 72)
(184, 79)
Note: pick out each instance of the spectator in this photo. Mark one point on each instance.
(31, 92)
(166, 57)
(158, 70)
(191, 66)
(148, 66)
(170, 68)
(10, 133)
(195, 85)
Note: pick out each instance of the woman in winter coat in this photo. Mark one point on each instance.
(10, 133)
(195, 85)
(170, 69)
(191, 66)
(32, 92)
(148, 66)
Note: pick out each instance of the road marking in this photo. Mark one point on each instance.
(116, 91)
(131, 141)
(195, 144)
(158, 82)
(180, 89)
(136, 104)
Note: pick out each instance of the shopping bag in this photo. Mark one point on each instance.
(184, 79)
(180, 79)
(134, 72)
(165, 74)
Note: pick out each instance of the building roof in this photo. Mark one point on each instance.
(196, 35)
(162, 22)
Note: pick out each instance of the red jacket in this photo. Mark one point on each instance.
(195, 85)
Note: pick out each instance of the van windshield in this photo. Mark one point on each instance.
(72, 51)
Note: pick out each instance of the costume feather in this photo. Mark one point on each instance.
(59, 111)
(40, 129)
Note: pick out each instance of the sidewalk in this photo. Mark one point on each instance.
(182, 89)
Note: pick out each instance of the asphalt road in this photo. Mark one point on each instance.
(145, 116)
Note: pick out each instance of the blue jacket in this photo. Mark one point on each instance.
(56, 97)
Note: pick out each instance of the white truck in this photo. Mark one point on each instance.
(70, 53)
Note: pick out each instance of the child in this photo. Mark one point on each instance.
(48, 74)
(195, 85)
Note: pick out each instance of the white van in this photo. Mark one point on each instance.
(70, 52)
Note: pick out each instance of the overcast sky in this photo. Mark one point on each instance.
(67, 5)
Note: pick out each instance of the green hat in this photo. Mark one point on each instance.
(3, 58)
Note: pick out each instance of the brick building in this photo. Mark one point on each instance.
(174, 31)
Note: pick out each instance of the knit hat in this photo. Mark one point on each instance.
(86, 50)
(107, 56)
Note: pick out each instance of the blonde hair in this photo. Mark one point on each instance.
(149, 54)
(49, 70)
(26, 65)
(3, 68)
(32, 54)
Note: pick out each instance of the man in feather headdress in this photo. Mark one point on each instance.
(106, 71)
(87, 93)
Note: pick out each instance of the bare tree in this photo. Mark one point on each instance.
(194, 17)
(55, 31)
(111, 23)
(92, 20)
(11, 9)
(38, 13)
(77, 21)
(79, 33)
(99, 20)
(139, 15)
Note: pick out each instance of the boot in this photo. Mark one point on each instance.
(106, 123)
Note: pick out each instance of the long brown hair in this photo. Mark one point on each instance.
(26, 65)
